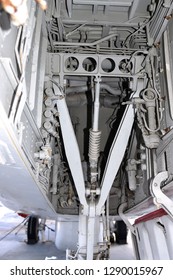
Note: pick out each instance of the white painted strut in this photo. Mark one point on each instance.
(96, 104)
(95, 134)
(117, 151)
(71, 147)
(116, 155)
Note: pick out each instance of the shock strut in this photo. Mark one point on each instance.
(95, 136)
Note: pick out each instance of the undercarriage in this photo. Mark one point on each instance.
(88, 100)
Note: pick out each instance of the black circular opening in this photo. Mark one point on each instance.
(89, 64)
(125, 66)
(71, 63)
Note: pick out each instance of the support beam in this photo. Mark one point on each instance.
(71, 146)
(117, 150)
(133, 8)
(116, 155)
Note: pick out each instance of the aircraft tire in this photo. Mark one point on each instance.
(121, 232)
(32, 230)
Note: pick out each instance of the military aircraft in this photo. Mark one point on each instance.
(86, 119)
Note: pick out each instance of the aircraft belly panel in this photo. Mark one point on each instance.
(19, 189)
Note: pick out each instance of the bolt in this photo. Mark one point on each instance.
(48, 102)
(157, 45)
(47, 113)
(47, 125)
(168, 17)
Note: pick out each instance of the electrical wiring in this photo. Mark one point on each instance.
(145, 23)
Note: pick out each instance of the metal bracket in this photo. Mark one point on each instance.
(159, 197)
(121, 209)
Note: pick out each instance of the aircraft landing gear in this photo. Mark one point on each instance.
(32, 230)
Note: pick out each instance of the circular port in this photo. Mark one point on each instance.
(125, 66)
(72, 63)
(89, 64)
(108, 65)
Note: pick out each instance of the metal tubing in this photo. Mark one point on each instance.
(110, 89)
(75, 100)
(86, 44)
(78, 89)
(100, 22)
(80, 99)
(151, 117)
(96, 105)
(56, 163)
(96, 2)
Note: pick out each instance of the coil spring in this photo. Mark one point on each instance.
(94, 145)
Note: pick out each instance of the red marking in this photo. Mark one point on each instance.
(23, 215)
(155, 214)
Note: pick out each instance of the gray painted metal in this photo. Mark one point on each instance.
(71, 148)
(20, 189)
